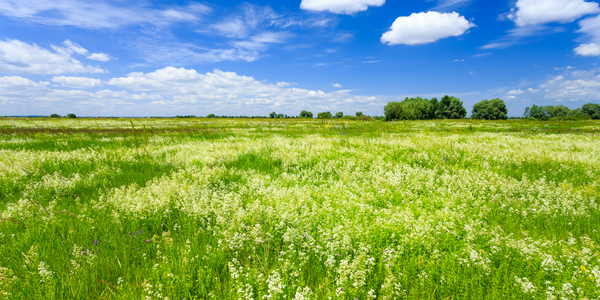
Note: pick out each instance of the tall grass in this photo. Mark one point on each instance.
(298, 209)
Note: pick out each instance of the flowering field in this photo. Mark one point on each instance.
(298, 209)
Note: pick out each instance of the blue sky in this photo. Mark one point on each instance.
(162, 58)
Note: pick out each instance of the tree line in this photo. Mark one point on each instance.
(587, 111)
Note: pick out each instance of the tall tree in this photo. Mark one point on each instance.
(450, 108)
(494, 109)
(324, 115)
(306, 114)
(592, 110)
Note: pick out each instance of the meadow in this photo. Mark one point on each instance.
(298, 209)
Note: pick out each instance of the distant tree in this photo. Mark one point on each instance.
(494, 109)
(72, 116)
(537, 112)
(392, 111)
(578, 113)
(450, 108)
(211, 116)
(54, 116)
(434, 106)
(280, 116)
(592, 110)
(559, 111)
(273, 115)
(306, 114)
(339, 114)
(324, 115)
(359, 113)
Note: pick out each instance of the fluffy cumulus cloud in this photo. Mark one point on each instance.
(99, 14)
(99, 56)
(340, 6)
(17, 57)
(77, 82)
(423, 28)
(591, 49)
(172, 90)
(532, 12)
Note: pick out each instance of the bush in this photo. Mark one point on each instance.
(359, 113)
(54, 116)
(72, 116)
(306, 114)
(324, 115)
(339, 114)
(211, 116)
(494, 109)
(349, 118)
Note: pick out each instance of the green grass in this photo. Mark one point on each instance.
(298, 209)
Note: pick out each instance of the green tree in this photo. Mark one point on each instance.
(450, 108)
(592, 110)
(559, 111)
(494, 109)
(54, 116)
(339, 114)
(273, 115)
(392, 111)
(359, 113)
(72, 116)
(306, 114)
(324, 115)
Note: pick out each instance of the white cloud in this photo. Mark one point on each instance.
(559, 100)
(517, 35)
(591, 49)
(531, 90)
(591, 28)
(99, 56)
(575, 85)
(73, 48)
(337, 85)
(340, 6)
(516, 92)
(98, 14)
(446, 5)
(458, 60)
(77, 82)
(17, 57)
(533, 12)
(471, 72)
(371, 61)
(511, 97)
(423, 28)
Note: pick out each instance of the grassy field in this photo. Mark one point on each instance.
(298, 209)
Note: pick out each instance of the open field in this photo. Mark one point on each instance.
(298, 209)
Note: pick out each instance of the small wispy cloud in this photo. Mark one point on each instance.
(337, 85)
(371, 61)
(459, 59)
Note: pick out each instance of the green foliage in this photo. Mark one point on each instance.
(306, 114)
(592, 110)
(359, 113)
(211, 116)
(494, 109)
(339, 114)
(450, 108)
(185, 117)
(411, 109)
(273, 115)
(71, 116)
(324, 115)
(54, 116)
